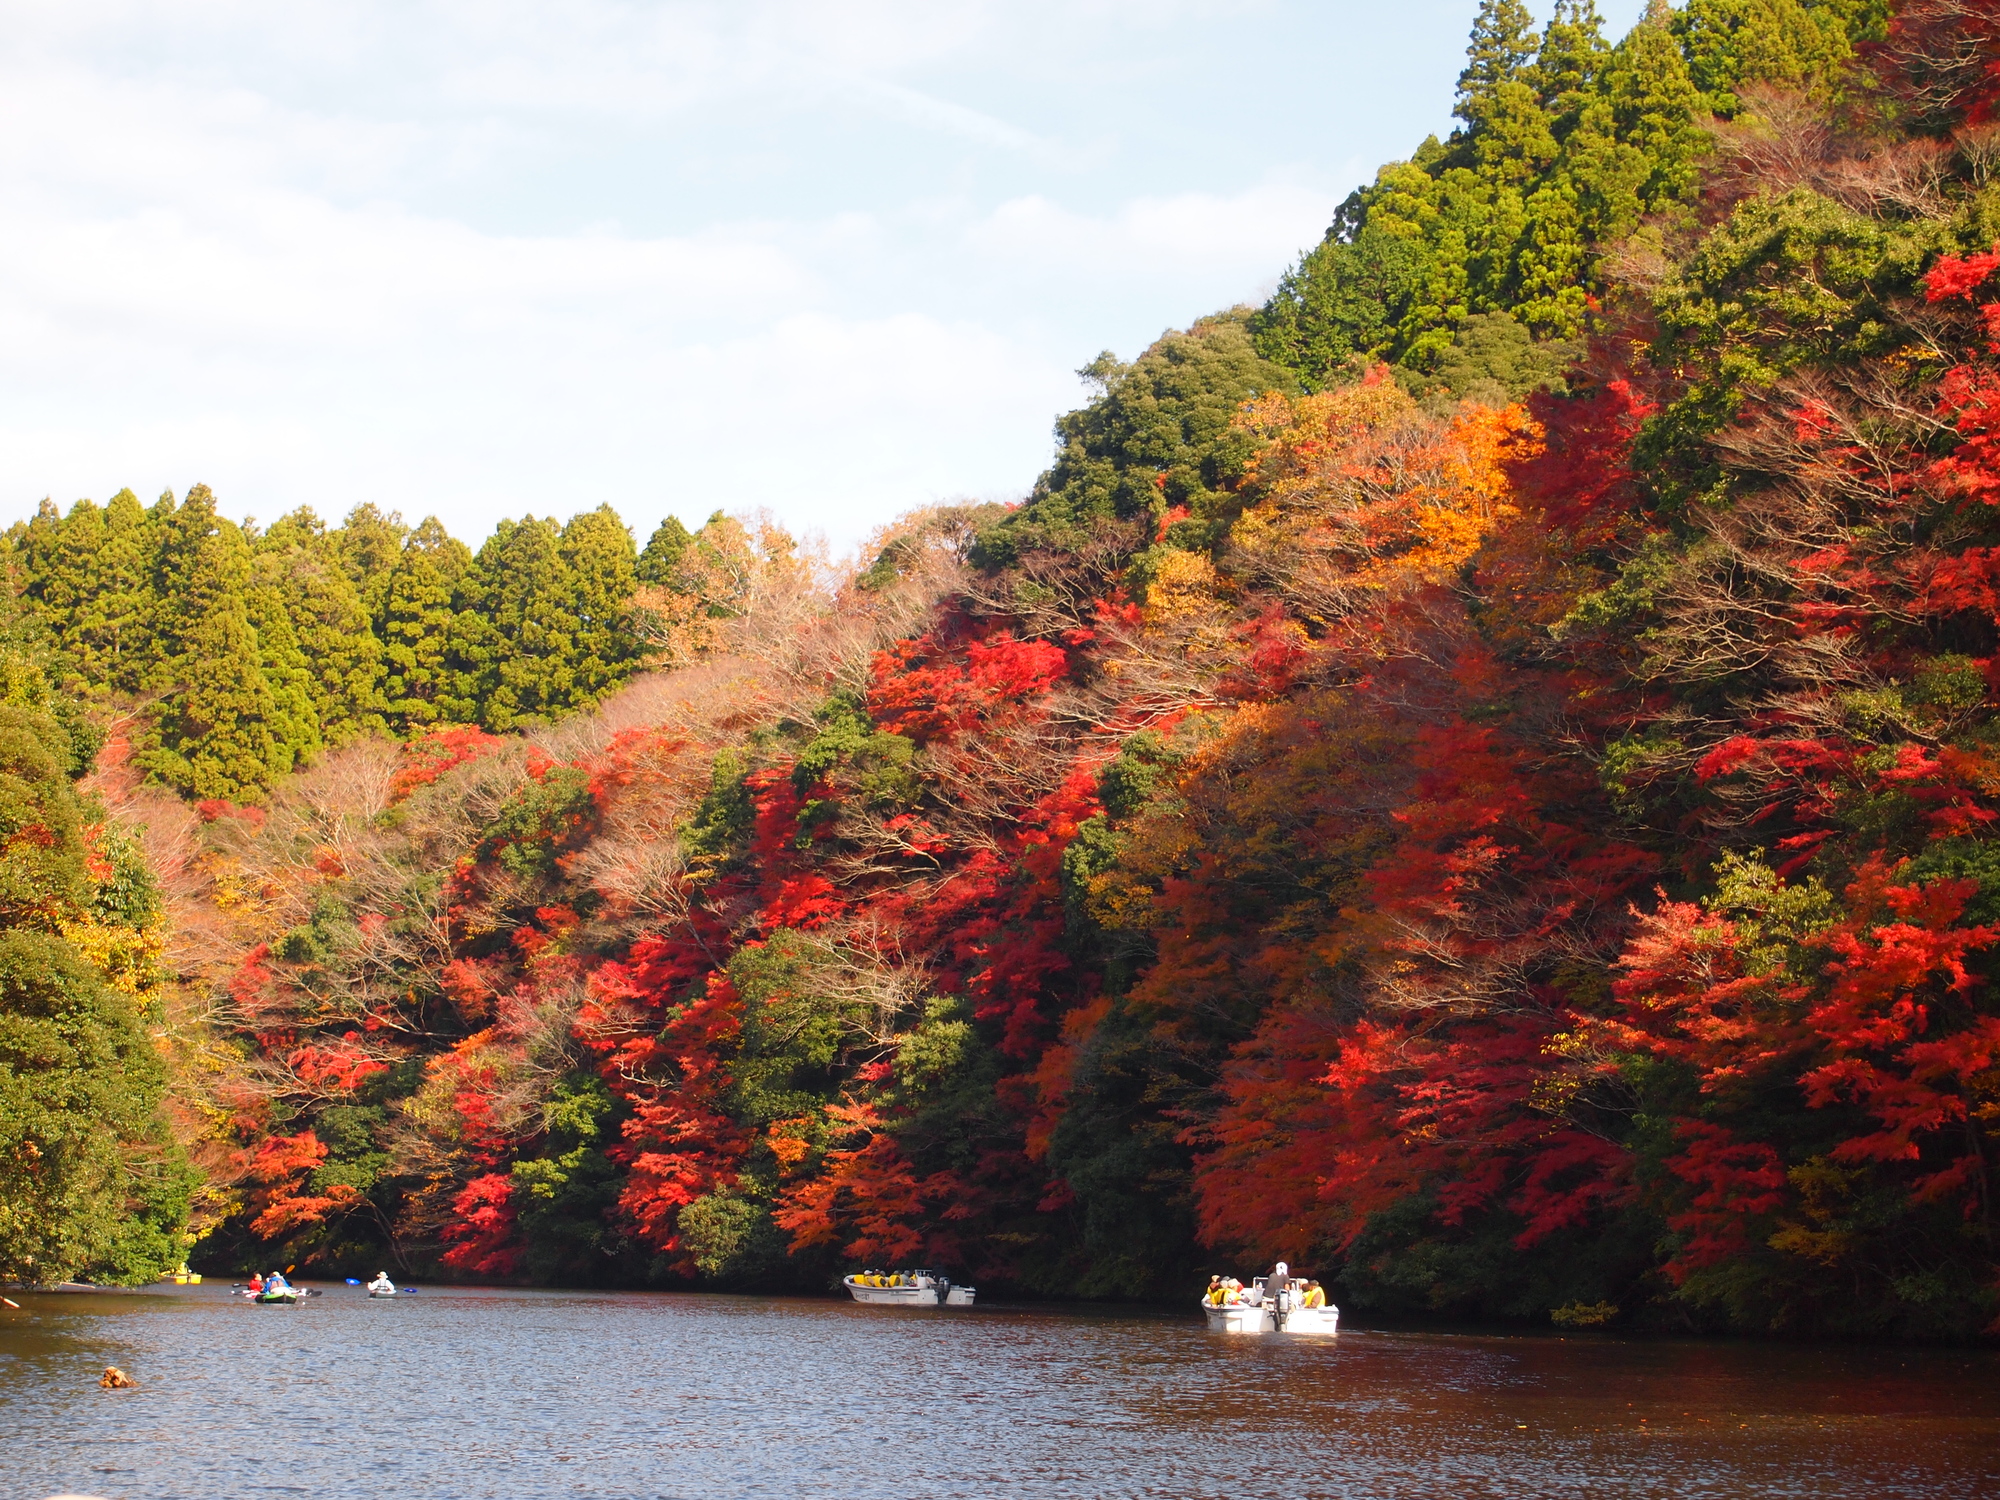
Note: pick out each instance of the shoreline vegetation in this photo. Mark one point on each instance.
(1477, 778)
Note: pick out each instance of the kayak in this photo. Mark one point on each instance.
(283, 1297)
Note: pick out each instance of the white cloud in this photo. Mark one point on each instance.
(1159, 236)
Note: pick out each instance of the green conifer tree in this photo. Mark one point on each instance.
(1159, 435)
(369, 544)
(512, 647)
(663, 553)
(67, 588)
(1503, 44)
(301, 528)
(296, 735)
(33, 545)
(1730, 44)
(214, 737)
(598, 557)
(416, 625)
(1657, 107)
(235, 709)
(1551, 269)
(335, 635)
(111, 631)
(189, 570)
(1570, 62)
(1340, 307)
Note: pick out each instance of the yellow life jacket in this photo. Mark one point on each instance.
(1315, 1298)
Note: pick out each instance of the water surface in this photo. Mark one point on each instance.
(635, 1396)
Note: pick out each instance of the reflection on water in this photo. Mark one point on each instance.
(463, 1394)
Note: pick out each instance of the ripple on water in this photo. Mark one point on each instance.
(468, 1394)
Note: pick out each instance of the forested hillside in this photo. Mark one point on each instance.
(1476, 778)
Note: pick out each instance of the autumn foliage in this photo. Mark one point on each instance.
(1526, 855)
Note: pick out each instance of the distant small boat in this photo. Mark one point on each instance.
(907, 1289)
(381, 1289)
(1259, 1311)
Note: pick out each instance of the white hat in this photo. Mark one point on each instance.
(1282, 1268)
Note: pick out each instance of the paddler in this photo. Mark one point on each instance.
(254, 1285)
(381, 1283)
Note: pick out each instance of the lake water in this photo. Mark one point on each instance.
(465, 1394)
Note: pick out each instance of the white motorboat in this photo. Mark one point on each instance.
(1259, 1311)
(907, 1289)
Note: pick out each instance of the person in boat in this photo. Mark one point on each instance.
(254, 1285)
(1278, 1281)
(1213, 1296)
(1315, 1296)
(275, 1282)
(381, 1283)
(1232, 1292)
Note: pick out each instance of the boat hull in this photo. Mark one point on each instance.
(1312, 1320)
(1239, 1318)
(893, 1296)
(1269, 1316)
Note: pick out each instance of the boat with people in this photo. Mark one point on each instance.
(273, 1291)
(381, 1286)
(1278, 1303)
(907, 1289)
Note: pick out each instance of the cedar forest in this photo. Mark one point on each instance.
(1477, 777)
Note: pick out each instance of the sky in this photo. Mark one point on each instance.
(830, 259)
